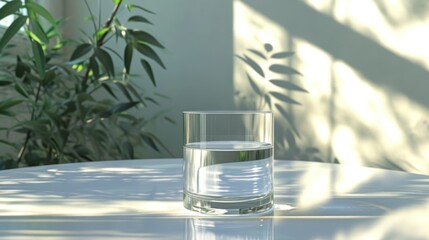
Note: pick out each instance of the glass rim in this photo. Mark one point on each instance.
(228, 112)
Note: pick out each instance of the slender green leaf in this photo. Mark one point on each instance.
(284, 98)
(39, 58)
(151, 100)
(251, 63)
(148, 70)
(10, 8)
(93, 65)
(101, 32)
(128, 57)
(37, 8)
(39, 126)
(124, 90)
(131, 6)
(82, 53)
(109, 90)
(20, 89)
(7, 113)
(128, 147)
(4, 83)
(282, 54)
(282, 69)
(150, 53)
(116, 2)
(137, 18)
(145, 37)
(170, 120)
(118, 108)
(157, 140)
(288, 85)
(21, 68)
(7, 143)
(5, 104)
(11, 31)
(106, 60)
(135, 92)
(149, 141)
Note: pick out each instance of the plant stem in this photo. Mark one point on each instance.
(100, 41)
(33, 112)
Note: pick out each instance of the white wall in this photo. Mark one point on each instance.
(198, 36)
(364, 63)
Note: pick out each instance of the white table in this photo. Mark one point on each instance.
(141, 199)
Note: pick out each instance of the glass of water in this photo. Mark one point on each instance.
(228, 161)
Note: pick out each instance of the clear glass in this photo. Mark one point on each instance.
(228, 161)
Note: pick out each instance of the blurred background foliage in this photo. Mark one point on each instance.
(68, 100)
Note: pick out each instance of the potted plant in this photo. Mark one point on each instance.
(76, 106)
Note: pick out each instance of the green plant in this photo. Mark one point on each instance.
(77, 108)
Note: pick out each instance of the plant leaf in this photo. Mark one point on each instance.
(137, 18)
(109, 90)
(101, 32)
(131, 6)
(149, 141)
(39, 126)
(35, 7)
(93, 64)
(39, 58)
(170, 120)
(82, 53)
(5, 104)
(150, 53)
(145, 37)
(282, 69)
(282, 54)
(128, 147)
(251, 63)
(152, 100)
(20, 89)
(148, 70)
(10, 8)
(5, 83)
(106, 61)
(288, 85)
(11, 31)
(124, 90)
(128, 57)
(118, 108)
(284, 98)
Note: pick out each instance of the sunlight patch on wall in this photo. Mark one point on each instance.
(315, 64)
(363, 123)
(399, 25)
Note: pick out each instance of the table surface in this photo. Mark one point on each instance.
(142, 199)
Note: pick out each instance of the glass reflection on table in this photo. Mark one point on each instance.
(235, 228)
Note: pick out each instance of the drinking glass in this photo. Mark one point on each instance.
(228, 161)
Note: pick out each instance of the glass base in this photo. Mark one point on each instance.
(228, 206)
